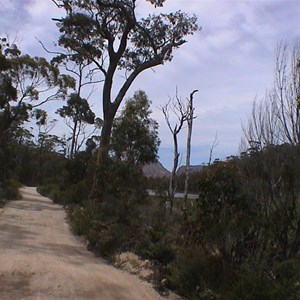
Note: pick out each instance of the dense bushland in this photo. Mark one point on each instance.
(241, 239)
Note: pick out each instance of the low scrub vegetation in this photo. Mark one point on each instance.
(241, 238)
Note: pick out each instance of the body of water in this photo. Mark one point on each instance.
(177, 195)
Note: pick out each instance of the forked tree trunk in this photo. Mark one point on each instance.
(181, 111)
(173, 181)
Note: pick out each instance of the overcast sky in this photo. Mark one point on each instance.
(230, 62)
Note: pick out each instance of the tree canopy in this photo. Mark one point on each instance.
(78, 113)
(134, 136)
(25, 84)
(111, 36)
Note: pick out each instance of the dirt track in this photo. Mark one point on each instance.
(41, 259)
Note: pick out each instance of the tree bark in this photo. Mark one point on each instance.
(188, 150)
(172, 184)
(73, 140)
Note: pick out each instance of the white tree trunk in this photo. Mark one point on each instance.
(188, 148)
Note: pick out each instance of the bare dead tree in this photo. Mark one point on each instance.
(212, 148)
(190, 118)
(286, 93)
(276, 119)
(263, 127)
(181, 112)
(272, 137)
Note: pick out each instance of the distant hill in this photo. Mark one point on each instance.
(155, 170)
(193, 169)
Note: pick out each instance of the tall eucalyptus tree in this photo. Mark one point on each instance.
(114, 38)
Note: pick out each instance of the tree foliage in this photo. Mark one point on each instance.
(26, 83)
(135, 136)
(110, 35)
(77, 114)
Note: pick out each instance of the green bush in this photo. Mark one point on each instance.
(108, 239)
(11, 189)
(1, 195)
(113, 226)
(83, 219)
(155, 240)
(287, 279)
(65, 195)
(251, 285)
(105, 230)
(51, 190)
(280, 283)
(74, 193)
(198, 276)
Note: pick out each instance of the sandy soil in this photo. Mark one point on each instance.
(41, 259)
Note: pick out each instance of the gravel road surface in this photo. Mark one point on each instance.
(41, 259)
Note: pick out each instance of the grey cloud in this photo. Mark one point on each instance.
(14, 15)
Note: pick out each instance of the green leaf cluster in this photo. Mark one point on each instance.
(135, 135)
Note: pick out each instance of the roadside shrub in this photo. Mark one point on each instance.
(11, 189)
(74, 194)
(156, 241)
(280, 283)
(251, 285)
(1, 195)
(287, 279)
(65, 194)
(50, 190)
(106, 229)
(197, 276)
(110, 238)
(83, 219)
